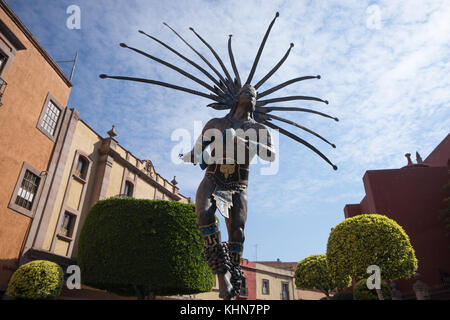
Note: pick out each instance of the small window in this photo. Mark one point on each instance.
(265, 286)
(284, 291)
(67, 224)
(27, 190)
(3, 59)
(50, 119)
(128, 189)
(81, 168)
(244, 290)
(3, 84)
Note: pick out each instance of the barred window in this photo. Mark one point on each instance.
(284, 291)
(3, 59)
(67, 224)
(265, 286)
(27, 190)
(50, 119)
(129, 189)
(81, 168)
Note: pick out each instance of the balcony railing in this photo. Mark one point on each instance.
(3, 85)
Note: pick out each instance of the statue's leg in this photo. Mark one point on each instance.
(236, 225)
(216, 252)
(236, 237)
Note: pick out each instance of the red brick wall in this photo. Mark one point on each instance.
(251, 278)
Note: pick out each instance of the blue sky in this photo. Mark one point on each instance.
(384, 68)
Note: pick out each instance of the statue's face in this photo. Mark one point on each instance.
(247, 98)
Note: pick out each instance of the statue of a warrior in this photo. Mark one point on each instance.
(224, 185)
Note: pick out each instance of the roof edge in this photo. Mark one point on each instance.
(35, 42)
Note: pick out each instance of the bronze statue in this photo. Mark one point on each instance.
(234, 140)
(224, 185)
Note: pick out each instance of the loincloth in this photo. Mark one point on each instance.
(229, 179)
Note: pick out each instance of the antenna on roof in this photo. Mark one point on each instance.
(74, 61)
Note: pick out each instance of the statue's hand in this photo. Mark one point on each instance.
(190, 157)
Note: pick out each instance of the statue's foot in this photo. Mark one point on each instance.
(225, 286)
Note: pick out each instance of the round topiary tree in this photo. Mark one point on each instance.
(370, 239)
(312, 273)
(36, 280)
(143, 248)
(361, 292)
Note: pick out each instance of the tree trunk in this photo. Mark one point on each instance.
(380, 294)
(139, 292)
(151, 295)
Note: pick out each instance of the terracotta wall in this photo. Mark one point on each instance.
(30, 78)
(249, 271)
(440, 157)
(413, 197)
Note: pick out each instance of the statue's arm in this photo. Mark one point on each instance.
(202, 142)
(262, 146)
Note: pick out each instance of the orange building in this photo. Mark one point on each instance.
(33, 92)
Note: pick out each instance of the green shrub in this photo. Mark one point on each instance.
(312, 273)
(370, 239)
(138, 247)
(343, 296)
(361, 292)
(37, 279)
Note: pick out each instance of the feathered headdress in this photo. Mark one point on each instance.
(224, 89)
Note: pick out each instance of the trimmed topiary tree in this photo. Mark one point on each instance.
(361, 292)
(36, 280)
(370, 239)
(312, 273)
(143, 248)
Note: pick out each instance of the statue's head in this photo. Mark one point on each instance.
(245, 98)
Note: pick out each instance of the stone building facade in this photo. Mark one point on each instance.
(90, 168)
(53, 166)
(267, 280)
